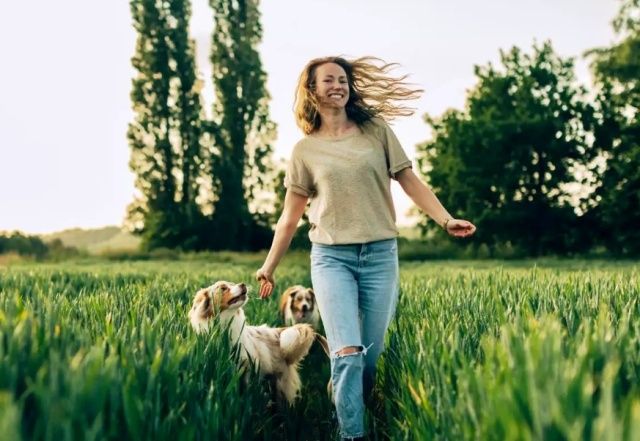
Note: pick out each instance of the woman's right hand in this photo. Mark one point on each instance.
(294, 205)
(266, 282)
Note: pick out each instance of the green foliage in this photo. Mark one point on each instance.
(508, 354)
(300, 239)
(34, 247)
(194, 176)
(242, 130)
(166, 136)
(9, 417)
(617, 197)
(506, 160)
(628, 18)
(85, 354)
(23, 244)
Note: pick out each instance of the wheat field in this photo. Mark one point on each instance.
(98, 350)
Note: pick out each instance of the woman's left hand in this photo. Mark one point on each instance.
(460, 228)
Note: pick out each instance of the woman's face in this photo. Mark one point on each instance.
(332, 86)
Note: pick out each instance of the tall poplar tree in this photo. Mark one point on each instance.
(242, 130)
(166, 134)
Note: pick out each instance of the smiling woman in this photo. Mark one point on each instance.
(344, 166)
(334, 82)
(331, 85)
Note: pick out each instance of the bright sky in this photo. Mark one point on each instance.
(66, 74)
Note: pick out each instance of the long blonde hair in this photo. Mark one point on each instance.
(373, 92)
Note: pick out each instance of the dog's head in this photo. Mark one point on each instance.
(300, 300)
(216, 299)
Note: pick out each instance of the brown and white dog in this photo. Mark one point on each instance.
(274, 351)
(298, 305)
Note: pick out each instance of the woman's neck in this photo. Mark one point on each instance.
(334, 123)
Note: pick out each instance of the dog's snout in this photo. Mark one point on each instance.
(243, 288)
(305, 308)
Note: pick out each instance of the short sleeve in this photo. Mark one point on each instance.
(396, 157)
(298, 178)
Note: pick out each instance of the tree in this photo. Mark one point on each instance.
(23, 245)
(617, 73)
(507, 161)
(300, 239)
(240, 163)
(189, 124)
(166, 136)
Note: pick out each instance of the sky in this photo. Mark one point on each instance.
(65, 78)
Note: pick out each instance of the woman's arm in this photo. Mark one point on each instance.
(294, 205)
(427, 201)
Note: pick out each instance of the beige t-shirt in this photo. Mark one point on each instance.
(348, 182)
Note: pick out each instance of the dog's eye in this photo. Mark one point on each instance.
(206, 302)
(224, 287)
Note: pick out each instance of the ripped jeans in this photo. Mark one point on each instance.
(356, 288)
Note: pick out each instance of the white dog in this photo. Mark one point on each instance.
(298, 305)
(274, 351)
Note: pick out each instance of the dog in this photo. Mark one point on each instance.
(298, 305)
(276, 352)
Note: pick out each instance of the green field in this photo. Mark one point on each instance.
(479, 350)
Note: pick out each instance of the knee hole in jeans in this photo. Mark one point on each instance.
(349, 351)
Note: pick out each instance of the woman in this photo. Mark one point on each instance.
(343, 166)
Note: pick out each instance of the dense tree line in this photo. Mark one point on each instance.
(33, 246)
(539, 163)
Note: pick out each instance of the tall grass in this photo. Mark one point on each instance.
(477, 351)
(515, 354)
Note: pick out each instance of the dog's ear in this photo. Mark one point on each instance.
(199, 298)
(213, 296)
(215, 293)
(202, 309)
(213, 289)
(312, 298)
(290, 292)
(285, 298)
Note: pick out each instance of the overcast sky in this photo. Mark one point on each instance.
(65, 77)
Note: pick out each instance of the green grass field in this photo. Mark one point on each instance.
(479, 350)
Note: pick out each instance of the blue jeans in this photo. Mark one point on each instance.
(356, 288)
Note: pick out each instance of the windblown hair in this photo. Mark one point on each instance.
(373, 92)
